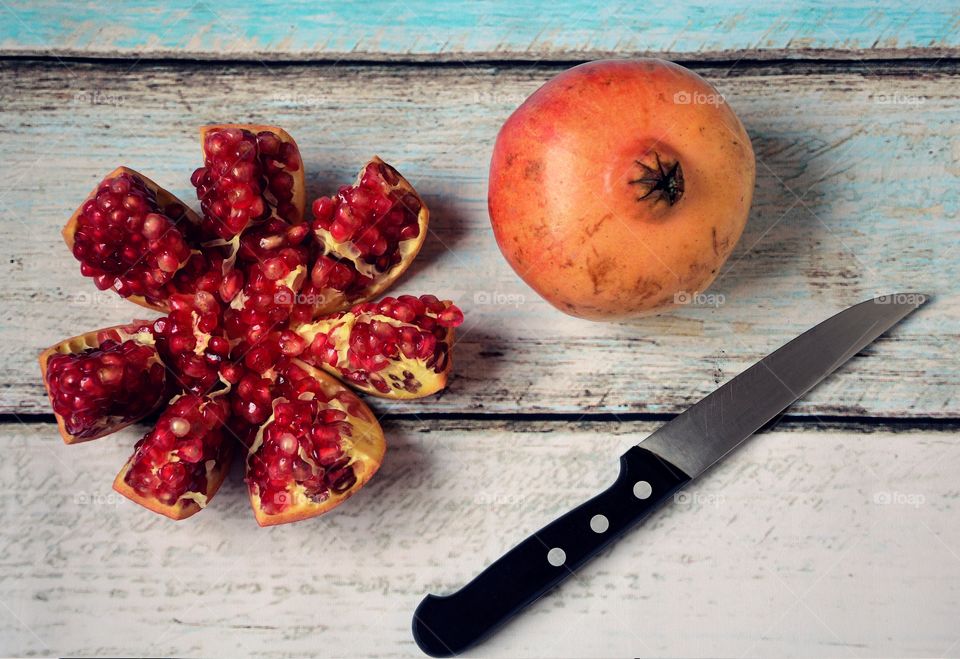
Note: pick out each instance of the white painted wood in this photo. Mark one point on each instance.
(803, 544)
(854, 199)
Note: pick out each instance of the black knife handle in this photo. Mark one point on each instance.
(445, 626)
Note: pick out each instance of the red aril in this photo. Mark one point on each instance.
(179, 465)
(368, 234)
(250, 174)
(132, 236)
(190, 340)
(320, 445)
(102, 381)
(394, 348)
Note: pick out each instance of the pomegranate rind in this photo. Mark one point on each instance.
(334, 300)
(164, 198)
(137, 331)
(299, 187)
(366, 446)
(339, 328)
(185, 506)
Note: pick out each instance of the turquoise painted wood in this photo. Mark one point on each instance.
(421, 29)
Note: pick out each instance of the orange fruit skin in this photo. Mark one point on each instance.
(564, 200)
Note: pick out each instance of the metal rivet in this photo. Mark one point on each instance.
(642, 490)
(599, 523)
(556, 557)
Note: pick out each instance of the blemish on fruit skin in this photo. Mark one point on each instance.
(648, 287)
(719, 246)
(599, 271)
(593, 228)
(534, 171)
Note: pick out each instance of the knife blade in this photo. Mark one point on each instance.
(650, 473)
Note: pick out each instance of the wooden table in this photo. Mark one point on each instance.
(835, 534)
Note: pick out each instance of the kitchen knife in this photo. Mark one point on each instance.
(650, 473)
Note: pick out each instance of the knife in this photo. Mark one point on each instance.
(650, 473)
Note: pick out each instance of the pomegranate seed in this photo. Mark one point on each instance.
(179, 426)
(450, 317)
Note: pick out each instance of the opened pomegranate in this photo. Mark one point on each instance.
(394, 348)
(132, 236)
(179, 465)
(320, 445)
(102, 381)
(248, 289)
(369, 233)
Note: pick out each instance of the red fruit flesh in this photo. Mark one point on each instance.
(191, 341)
(320, 445)
(267, 297)
(394, 348)
(132, 236)
(102, 381)
(179, 465)
(368, 234)
(250, 174)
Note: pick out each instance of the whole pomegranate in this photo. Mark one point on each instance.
(620, 187)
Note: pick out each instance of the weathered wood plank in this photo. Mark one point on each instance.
(854, 199)
(421, 29)
(805, 544)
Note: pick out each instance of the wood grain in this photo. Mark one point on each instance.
(854, 199)
(274, 30)
(802, 544)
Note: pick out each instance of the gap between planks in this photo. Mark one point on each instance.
(750, 63)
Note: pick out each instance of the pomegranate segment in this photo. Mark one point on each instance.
(394, 348)
(179, 465)
(368, 235)
(132, 236)
(267, 298)
(102, 381)
(191, 341)
(320, 445)
(250, 173)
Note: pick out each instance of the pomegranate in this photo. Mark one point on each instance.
(179, 465)
(248, 289)
(132, 236)
(394, 348)
(620, 187)
(250, 173)
(320, 445)
(368, 234)
(102, 381)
